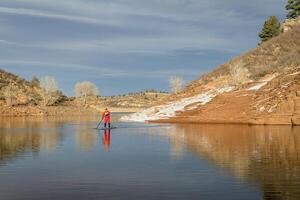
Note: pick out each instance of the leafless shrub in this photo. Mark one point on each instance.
(49, 91)
(85, 89)
(176, 84)
(239, 74)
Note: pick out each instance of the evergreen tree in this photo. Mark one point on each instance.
(272, 28)
(293, 8)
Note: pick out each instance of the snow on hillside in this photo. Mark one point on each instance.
(262, 83)
(169, 110)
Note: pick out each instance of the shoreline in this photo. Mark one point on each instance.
(58, 111)
(253, 123)
(175, 120)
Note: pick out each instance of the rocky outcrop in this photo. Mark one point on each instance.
(290, 23)
(280, 100)
(274, 101)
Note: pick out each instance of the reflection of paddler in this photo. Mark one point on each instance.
(106, 139)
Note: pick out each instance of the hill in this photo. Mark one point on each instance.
(17, 89)
(261, 86)
(19, 97)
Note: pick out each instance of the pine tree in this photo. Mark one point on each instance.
(293, 8)
(272, 28)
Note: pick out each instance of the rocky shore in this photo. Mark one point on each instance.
(276, 101)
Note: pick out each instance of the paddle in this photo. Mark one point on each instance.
(99, 124)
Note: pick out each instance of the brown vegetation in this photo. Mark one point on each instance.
(23, 92)
(277, 102)
(276, 55)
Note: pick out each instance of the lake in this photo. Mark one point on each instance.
(66, 158)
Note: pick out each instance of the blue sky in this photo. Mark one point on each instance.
(127, 45)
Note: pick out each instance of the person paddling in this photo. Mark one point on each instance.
(106, 117)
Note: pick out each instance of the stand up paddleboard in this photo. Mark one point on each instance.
(106, 128)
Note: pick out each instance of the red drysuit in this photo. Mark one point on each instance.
(106, 116)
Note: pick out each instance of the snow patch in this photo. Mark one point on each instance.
(258, 86)
(295, 73)
(262, 109)
(169, 110)
(272, 109)
(262, 83)
(245, 95)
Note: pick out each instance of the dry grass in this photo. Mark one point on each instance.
(23, 90)
(275, 55)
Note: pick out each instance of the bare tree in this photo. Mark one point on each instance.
(239, 74)
(85, 89)
(176, 84)
(49, 91)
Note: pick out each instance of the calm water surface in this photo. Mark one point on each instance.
(68, 159)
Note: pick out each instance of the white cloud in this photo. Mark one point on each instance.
(135, 44)
(45, 64)
(8, 42)
(104, 37)
(46, 14)
(98, 71)
(156, 26)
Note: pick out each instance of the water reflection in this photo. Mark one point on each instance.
(14, 144)
(267, 155)
(106, 139)
(85, 137)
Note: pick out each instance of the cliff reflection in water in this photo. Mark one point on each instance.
(267, 155)
(21, 136)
